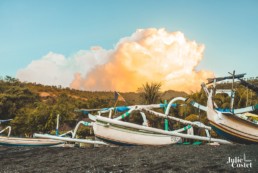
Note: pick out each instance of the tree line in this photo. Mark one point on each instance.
(32, 113)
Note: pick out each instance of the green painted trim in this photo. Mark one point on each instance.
(166, 124)
(197, 143)
(187, 127)
(256, 107)
(125, 115)
(165, 105)
(186, 143)
(86, 124)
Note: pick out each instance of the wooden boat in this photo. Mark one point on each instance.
(124, 133)
(116, 132)
(150, 135)
(232, 124)
(28, 142)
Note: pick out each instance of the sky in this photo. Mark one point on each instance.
(33, 29)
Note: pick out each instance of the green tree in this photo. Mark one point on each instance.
(10, 79)
(150, 92)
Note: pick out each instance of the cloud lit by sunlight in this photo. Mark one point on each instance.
(148, 55)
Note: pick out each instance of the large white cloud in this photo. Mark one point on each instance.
(148, 55)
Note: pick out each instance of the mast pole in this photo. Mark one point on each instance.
(232, 93)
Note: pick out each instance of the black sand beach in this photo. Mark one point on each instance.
(176, 158)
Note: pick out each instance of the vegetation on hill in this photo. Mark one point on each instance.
(34, 107)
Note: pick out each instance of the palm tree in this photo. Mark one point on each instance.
(150, 92)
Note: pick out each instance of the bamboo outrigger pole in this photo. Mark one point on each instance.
(47, 136)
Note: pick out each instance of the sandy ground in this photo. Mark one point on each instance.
(175, 158)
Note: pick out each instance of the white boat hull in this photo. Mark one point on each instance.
(12, 141)
(128, 136)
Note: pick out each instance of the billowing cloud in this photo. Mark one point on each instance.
(148, 55)
(56, 69)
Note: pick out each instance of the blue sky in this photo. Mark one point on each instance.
(29, 29)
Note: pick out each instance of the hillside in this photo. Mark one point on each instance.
(34, 107)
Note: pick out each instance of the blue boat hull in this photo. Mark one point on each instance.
(230, 136)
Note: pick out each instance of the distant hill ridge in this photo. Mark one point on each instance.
(46, 91)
